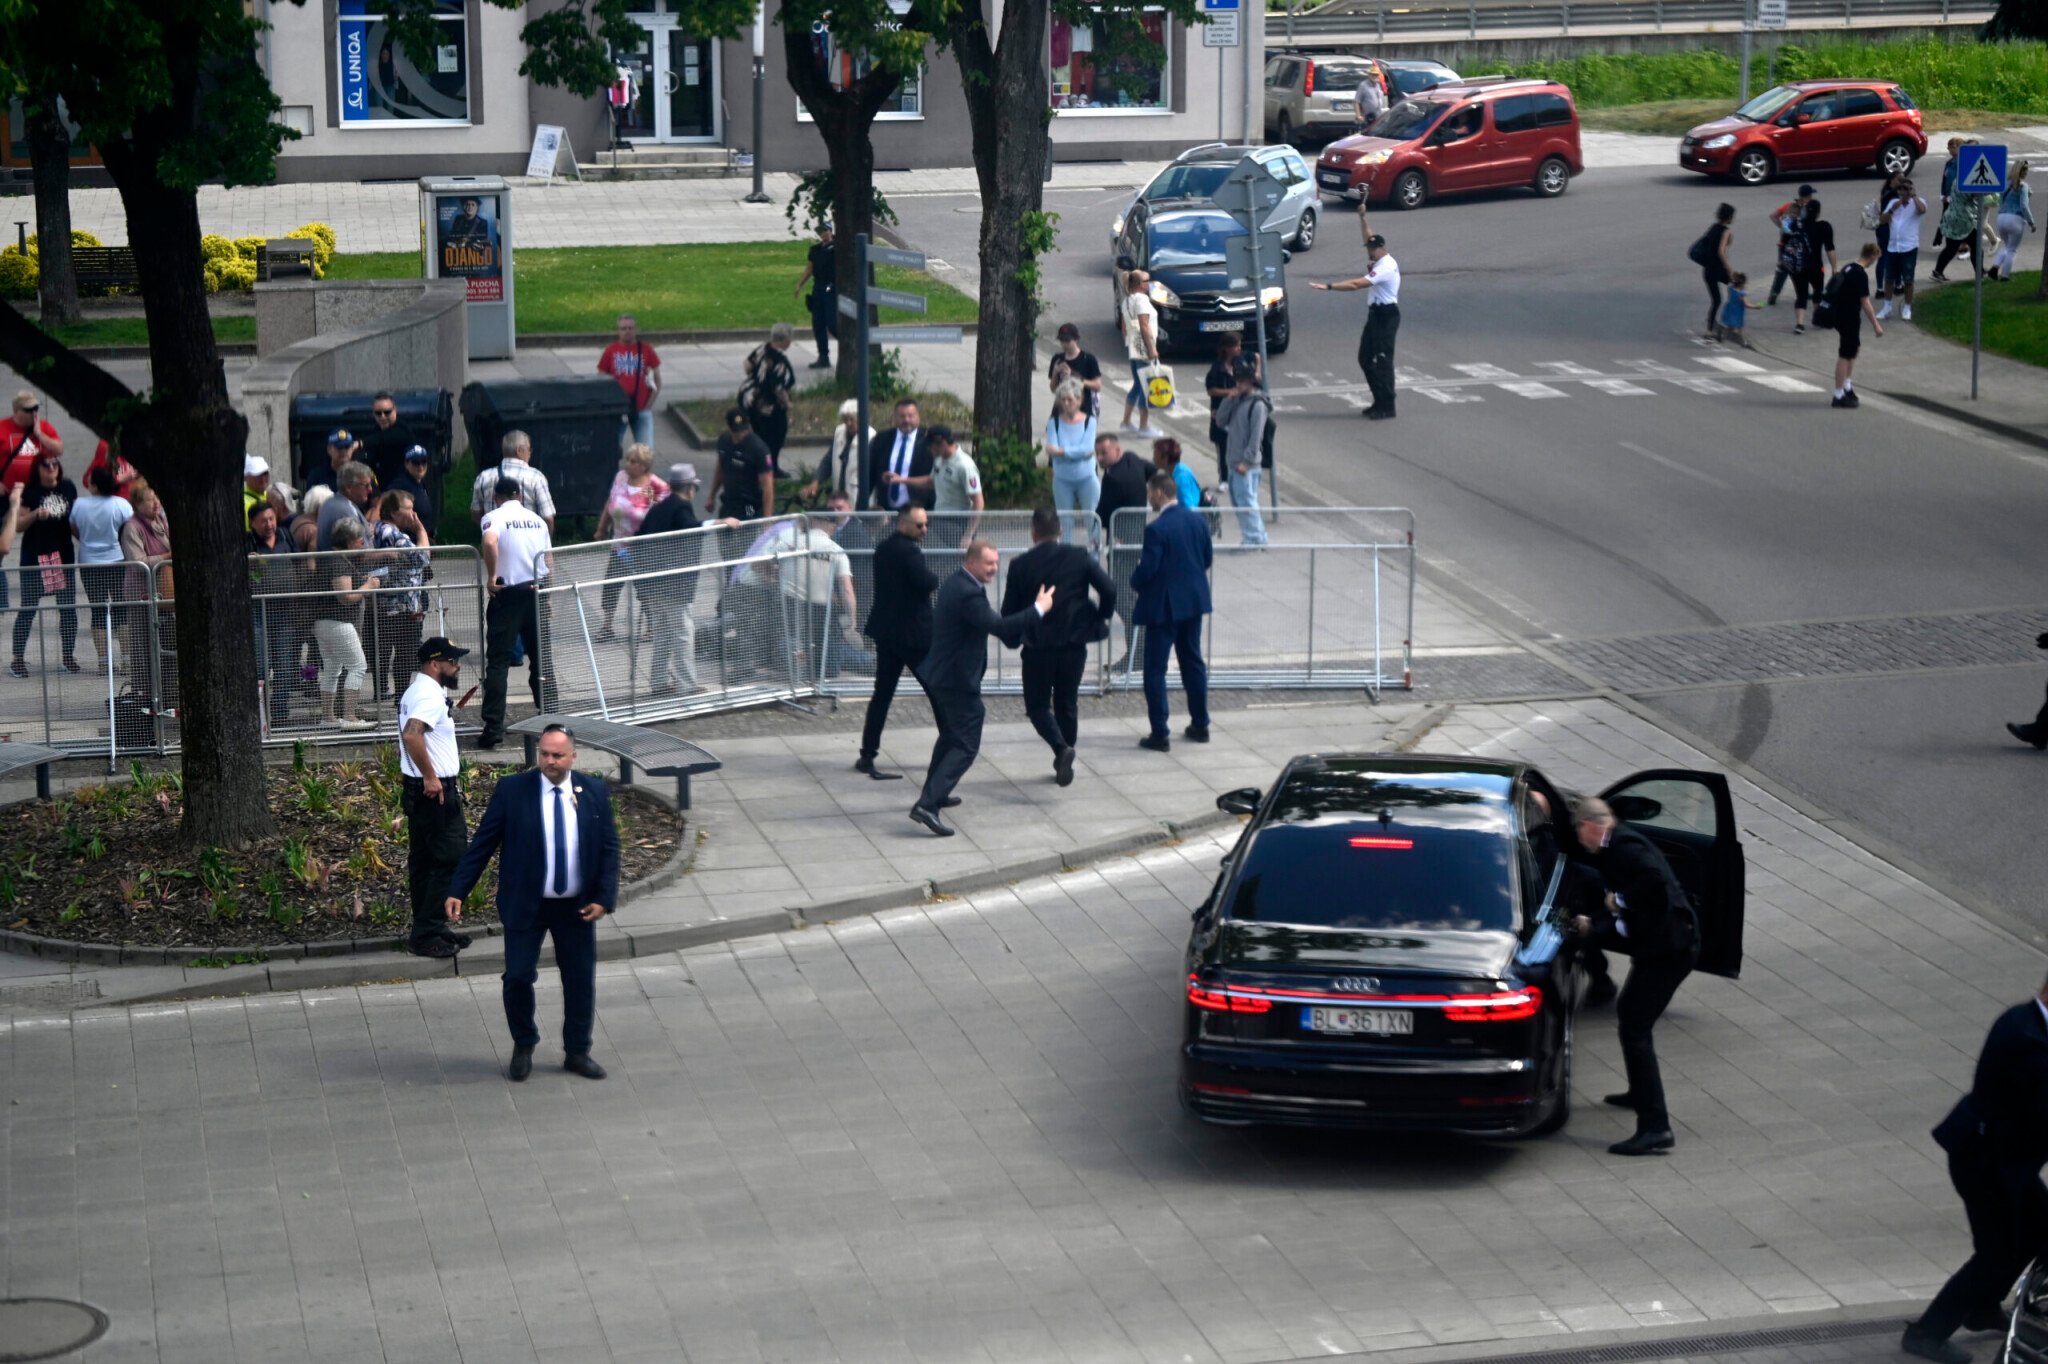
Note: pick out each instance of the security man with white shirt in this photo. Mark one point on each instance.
(1382, 281)
(436, 832)
(516, 546)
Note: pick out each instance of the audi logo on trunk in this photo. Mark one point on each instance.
(1359, 985)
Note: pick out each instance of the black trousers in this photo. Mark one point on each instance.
(1052, 692)
(890, 665)
(1376, 352)
(1652, 981)
(2008, 1210)
(32, 596)
(2040, 725)
(824, 320)
(575, 958)
(513, 617)
(437, 834)
(960, 714)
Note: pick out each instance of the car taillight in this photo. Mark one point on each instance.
(1403, 844)
(1506, 1007)
(1308, 86)
(1224, 1002)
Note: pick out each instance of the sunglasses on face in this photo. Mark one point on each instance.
(384, 411)
(30, 408)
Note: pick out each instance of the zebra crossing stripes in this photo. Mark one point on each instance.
(1714, 376)
(1784, 383)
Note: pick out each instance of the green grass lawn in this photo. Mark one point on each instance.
(714, 287)
(134, 331)
(2015, 318)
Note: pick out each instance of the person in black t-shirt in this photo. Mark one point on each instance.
(1071, 362)
(44, 525)
(1815, 252)
(821, 272)
(384, 446)
(743, 485)
(1850, 300)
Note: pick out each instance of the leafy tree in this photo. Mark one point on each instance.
(2018, 19)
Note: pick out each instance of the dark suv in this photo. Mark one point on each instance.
(1809, 126)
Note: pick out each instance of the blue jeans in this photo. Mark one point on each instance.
(1244, 495)
(575, 958)
(1074, 489)
(1136, 398)
(1183, 639)
(639, 429)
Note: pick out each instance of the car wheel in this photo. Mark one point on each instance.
(1279, 334)
(1562, 1113)
(1754, 166)
(1411, 190)
(1552, 177)
(1286, 130)
(1305, 230)
(1896, 157)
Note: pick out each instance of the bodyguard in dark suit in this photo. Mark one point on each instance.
(900, 465)
(962, 621)
(558, 874)
(1997, 1141)
(1056, 647)
(1172, 583)
(1647, 917)
(900, 624)
(1123, 486)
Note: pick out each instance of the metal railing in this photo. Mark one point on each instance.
(1342, 22)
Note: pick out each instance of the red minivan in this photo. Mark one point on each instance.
(1488, 132)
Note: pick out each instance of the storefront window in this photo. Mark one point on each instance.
(843, 68)
(1080, 82)
(382, 85)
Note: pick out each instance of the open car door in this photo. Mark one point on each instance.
(1691, 818)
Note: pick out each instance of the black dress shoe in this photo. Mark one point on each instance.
(930, 819)
(489, 740)
(1063, 767)
(949, 802)
(579, 1063)
(522, 1064)
(434, 947)
(1158, 743)
(867, 765)
(1621, 1100)
(1379, 414)
(459, 939)
(1927, 1347)
(1197, 733)
(1599, 992)
(1644, 1144)
(2027, 734)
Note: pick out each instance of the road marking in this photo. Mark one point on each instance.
(1529, 390)
(1619, 388)
(1449, 395)
(1485, 372)
(1569, 369)
(1672, 464)
(1655, 368)
(1784, 383)
(1411, 378)
(1728, 364)
(1711, 387)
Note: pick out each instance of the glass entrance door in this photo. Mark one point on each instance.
(675, 85)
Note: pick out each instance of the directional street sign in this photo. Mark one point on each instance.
(889, 255)
(1237, 257)
(848, 307)
(915, 336)
(1980, 169)
(896, 298)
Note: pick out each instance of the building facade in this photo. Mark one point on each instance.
(364, 110)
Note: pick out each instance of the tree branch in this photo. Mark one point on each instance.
(82, 388)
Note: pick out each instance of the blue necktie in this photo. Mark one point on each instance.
(561, 886)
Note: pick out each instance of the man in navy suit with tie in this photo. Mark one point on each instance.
(1172, 583)
(558, 874)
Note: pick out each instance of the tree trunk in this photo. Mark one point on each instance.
(189, 442)
(1007, 109)
(49, 149)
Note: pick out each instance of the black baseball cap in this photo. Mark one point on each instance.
(418, 454)
(1806, 191)
(441, 649)
(1068, 331)
(1375, 242)
(1245, 368)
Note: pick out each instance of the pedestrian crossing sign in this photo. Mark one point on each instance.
(1980, 169)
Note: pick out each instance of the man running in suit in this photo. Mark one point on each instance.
(1172, 583)
(900, 624)
(1997, 1141)
(1647, 917)
(1056, 648)
(962, 621)
(558, 874)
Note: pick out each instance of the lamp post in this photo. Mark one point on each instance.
(760, 195)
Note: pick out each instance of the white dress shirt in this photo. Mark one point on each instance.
(569, 845)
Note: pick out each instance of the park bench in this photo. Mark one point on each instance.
(284, 256)
(14, 757)
(105, 266)
(658, 754)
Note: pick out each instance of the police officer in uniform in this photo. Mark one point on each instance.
(437, 833)
(1382, 283)
(516, 546)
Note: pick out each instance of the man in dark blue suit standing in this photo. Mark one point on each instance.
(962, 621)
(558, 874)
(1172, 583)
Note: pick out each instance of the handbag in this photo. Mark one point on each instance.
(1701, 252)
(1158, 382)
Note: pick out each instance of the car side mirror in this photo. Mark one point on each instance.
(1243, 801)
(1125, 263)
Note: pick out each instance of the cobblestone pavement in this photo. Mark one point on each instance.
(949, 1134)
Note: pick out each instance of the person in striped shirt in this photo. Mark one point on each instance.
(515, 461)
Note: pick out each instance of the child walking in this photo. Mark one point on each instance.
(1735, 311)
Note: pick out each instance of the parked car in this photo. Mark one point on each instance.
(1384, 946)
(1312, 97)
(1483, 133)
(1809, 126)
(1181, 246)
(1410, 77)
(2026, 1336)
(1192, 178)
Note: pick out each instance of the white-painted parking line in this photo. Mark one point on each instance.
(1710, 387)
(1784, 383)
(1619, 388)
(1529, 390)
(1485, 372)
(1449, 395)
(1728, 364)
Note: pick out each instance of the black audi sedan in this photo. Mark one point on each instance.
(1384, 947)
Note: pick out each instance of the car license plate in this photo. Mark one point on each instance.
(1222, 326)
(1342, 106)
(1334, 179)
(1382, 1022)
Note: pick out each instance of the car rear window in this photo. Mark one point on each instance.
(1339, 78)
(1356, 874)
(1552, 111)
(1407, 119)
(1902, 99)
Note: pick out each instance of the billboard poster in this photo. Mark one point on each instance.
(466, 234)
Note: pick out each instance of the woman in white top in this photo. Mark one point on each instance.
(1070, 451)
(2015, 217)
(96, 520)
(1141, 343)
(835, 472)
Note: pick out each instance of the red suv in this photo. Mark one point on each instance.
(1808, 126)
(1489, 132)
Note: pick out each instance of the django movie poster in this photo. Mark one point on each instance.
(471, 249)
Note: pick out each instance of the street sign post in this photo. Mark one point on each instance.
(1771, 14)
(1269, 271)
(1248, 194)
(868, 296)
(1980, 173)
(916, 336)
(1222, 30)
(889, 255)
(896, 298)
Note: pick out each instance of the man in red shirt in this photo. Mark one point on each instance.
(23, 438)
(637, 368)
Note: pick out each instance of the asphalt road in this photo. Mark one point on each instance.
(1631, 480)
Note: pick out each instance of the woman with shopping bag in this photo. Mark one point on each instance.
(1141, 343)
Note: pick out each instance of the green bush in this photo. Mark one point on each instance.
(18, 274)
(1010, 476)
(322, 237)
